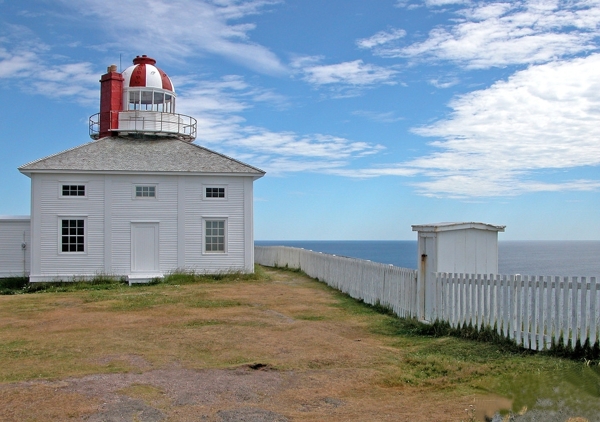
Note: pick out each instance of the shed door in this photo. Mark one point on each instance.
(144, 247)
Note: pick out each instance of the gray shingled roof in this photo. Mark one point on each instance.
(141, 155)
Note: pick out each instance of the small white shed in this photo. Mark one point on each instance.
(15, 232)
(464, 247)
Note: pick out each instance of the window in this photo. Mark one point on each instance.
(214, 238)
(150, 100)
(73, 190)
(72, 235)
(213, 192)
(145, 191)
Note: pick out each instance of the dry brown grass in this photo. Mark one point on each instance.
(281, 347)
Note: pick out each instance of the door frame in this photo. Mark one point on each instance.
(156, 252)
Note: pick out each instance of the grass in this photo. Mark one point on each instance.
(11, 285)
(188, 277)
(441, 358)
(280, 318)
(467, 359)
(19, 285)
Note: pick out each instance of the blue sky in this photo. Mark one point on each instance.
(368, 116)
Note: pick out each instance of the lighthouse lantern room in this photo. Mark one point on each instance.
(139, 103)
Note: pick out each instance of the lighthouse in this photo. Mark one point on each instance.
(141, 200)
(139, 103)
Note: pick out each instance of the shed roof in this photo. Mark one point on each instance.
(112, 154)
(4, 218)
(442, 227)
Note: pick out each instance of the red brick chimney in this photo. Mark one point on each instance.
(111, 101)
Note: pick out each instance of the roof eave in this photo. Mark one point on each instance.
(28, 172)
(442, 227)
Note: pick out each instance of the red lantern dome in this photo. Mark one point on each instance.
(144, 74)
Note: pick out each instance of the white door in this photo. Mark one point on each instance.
(144, 247)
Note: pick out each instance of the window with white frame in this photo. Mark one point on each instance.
(145, 191)
(214, 235)
(73, 190)
(215, 192)
(72, 235)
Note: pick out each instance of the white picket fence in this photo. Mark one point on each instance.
(533, 311)
(371, 282)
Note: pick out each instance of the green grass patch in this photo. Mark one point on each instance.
(204, 323)
(99, 282)
(17, 349)
(147, 297)
(193, 277)
(213, 303)
(310, 317)
(12, 285)
(17, 285)
(142, 300)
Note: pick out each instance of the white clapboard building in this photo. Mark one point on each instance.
(14, 245)
(141, 199)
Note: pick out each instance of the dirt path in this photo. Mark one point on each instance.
(269, 351)
(241, 394)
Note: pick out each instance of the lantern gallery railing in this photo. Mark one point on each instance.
(144, 123)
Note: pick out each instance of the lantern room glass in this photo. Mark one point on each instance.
(150, 100)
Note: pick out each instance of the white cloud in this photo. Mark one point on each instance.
(382, 117)
(500, 34)
(374, 172)
(293, 145)
(217, 106)
(16, 64)
(283, 165)
(437, 3)
(429, 3)
(382, 37)
(177, 29)
(444, 83)
(500, 141)
(222, 96)
(354, 73)
(28, 70)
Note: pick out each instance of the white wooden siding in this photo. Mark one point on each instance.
(231, 208)
(110, 208)
(467, 251)
(249, 224)
(126, 209)
(14, 259)
(48, 208)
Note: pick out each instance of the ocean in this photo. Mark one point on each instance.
(564, 258)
